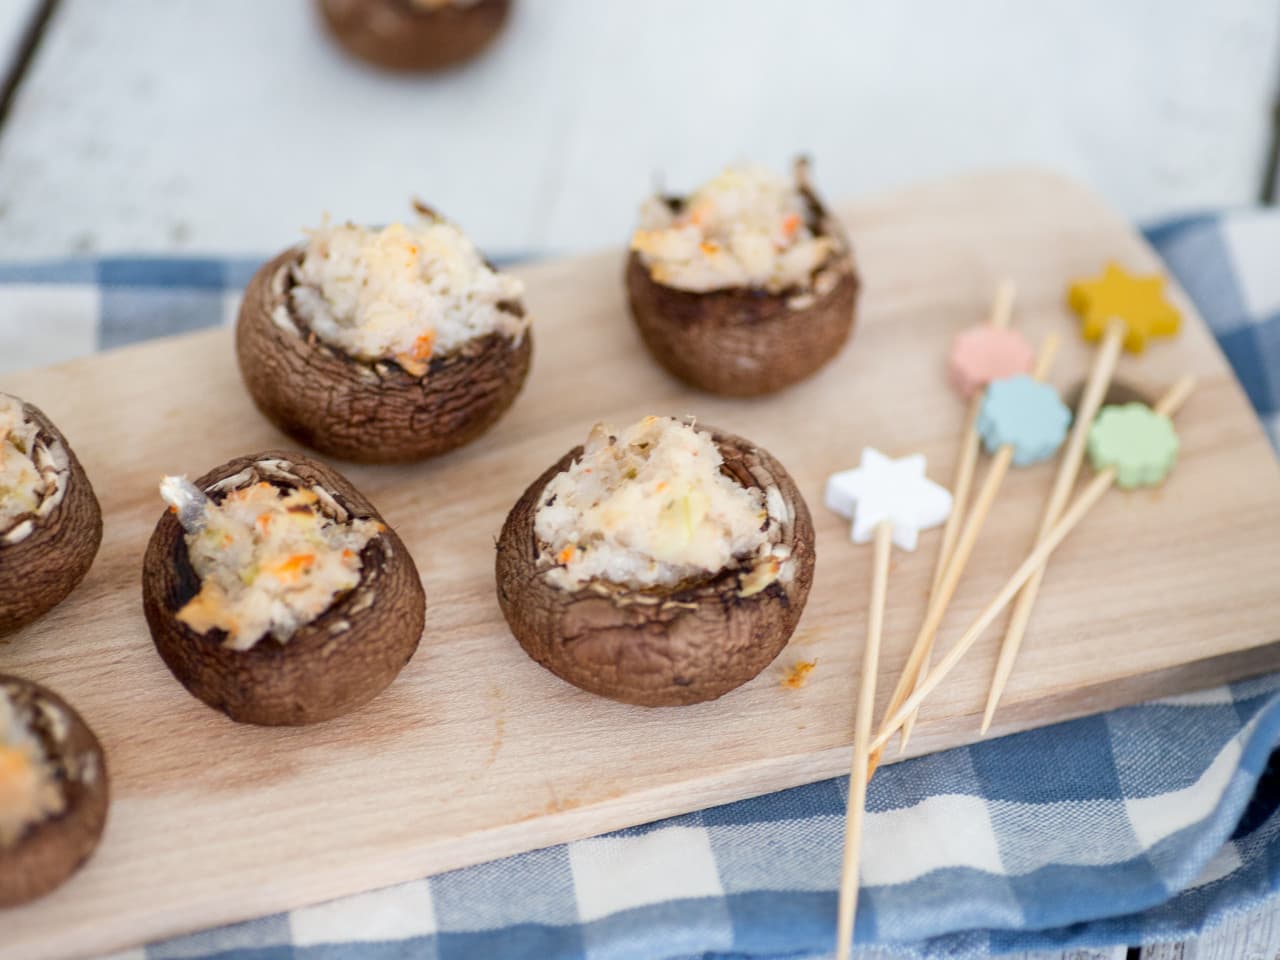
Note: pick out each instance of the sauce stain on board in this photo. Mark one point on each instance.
(797, 674)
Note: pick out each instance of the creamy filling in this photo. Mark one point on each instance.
(29, 789)
(649, 506)
(269, 560)
(33, 475)
(748, 227)
(402, 293)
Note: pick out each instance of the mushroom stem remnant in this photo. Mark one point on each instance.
(188, 502)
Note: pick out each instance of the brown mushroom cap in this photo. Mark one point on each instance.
(396, 35)
(657, 647)
(339, 661)
(369, 412)
(38, 571)
(53, 849)
(742, 342)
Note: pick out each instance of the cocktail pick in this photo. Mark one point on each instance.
(1021, 421)
(890, 501)
(1120, 310)
(1112, 464)
(978, 355)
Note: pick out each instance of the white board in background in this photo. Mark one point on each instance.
(168, 125)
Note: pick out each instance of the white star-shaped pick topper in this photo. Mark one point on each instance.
(882, 488)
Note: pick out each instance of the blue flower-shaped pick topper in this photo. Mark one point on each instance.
(1026, 414)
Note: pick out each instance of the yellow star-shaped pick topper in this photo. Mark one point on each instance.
(1117, 294)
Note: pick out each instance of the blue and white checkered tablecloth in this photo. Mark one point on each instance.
(1143, 824)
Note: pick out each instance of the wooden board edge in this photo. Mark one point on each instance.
(768, 776)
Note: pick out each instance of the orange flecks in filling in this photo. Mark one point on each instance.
(709, 247)
(14, 763)
(291, 568)
(423, 345)
(790, 224)
(798, 674)
(18, 789)
(565, 555)
(415, 361)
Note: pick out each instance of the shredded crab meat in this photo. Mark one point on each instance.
(402, 293)
(649, 506)
(30, 792)
(748, 227)
(269, 560)
(31, 475)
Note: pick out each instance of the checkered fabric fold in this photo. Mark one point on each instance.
(1142, 824)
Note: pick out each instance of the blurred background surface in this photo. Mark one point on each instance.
(225, 127)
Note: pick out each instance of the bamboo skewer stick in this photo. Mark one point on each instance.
(1104, 365)
(858, 776)
(1168, 405)
(1000, 318)
(959, 559)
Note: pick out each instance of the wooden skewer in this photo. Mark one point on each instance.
(1000, 318)
(1092, 493)
(1104, 366)
(982, 503)
(858, 775)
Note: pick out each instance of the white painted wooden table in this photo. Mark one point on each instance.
(150, 125)
(183, 125)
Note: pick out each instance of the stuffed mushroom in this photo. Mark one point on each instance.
(660, 565)
(276, 594)
(383, 345)
(415, 35)
(50, 521)
(53, 791)
(744, 287)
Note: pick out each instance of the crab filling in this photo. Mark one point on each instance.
(649, 506)
(30, 792)
(32, 476)
(748, 227)
(269, 559)
(402, 293)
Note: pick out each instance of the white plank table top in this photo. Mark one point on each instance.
(149, 125)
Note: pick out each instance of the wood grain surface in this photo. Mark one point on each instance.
(476, 752)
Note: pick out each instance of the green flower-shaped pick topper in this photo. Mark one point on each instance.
(1140, 443)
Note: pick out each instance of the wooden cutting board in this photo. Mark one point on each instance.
(477, 752)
